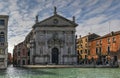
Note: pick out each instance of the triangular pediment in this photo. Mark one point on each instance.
(56, 20)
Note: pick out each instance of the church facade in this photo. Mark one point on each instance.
(53, 41)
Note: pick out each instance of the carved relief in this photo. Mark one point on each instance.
(55, 40)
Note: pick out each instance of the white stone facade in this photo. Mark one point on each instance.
(53, 41)
(3, 41)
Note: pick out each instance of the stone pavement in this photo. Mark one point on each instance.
(65, 66)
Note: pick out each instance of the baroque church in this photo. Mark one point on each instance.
(54, 41)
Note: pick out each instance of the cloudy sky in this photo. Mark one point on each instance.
(95, 16)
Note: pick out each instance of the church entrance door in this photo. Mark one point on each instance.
(55, 54)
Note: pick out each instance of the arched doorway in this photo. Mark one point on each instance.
(55, 54)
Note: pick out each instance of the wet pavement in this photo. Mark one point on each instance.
(16, 72)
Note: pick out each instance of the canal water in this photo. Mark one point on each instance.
(13, 72)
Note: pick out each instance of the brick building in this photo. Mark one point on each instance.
(20, 55)
(10, 58)
(106, 49)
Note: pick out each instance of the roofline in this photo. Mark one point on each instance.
(72, 22)
(89, 35)
(4, 16)
(107, 35)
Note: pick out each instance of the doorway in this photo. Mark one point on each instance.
(55, 56)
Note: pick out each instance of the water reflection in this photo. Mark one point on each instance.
(13, 72)
(16, 72)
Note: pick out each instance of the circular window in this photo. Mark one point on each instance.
(55, 21)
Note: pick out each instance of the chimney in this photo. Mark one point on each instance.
(112, 33)
(79, 36)
(73, 18)
(89, 33)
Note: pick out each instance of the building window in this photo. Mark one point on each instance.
(86, 51)
(108, 49)
(78, 51)
(1, 59)
(2, 38)
(81, 45)
(28, 62)
(81, 41)
(97, 51)
(81, 51)
(85, 45)
(1, 51)
(100, 42)
(108, 40)
(100, 50)
(23, 51)
(86, 39)
(23, 62)
(18, 53)
(2, 44)
(97, 43)
(2, 22)
(18, 62)
(85, 56)
(114, 39)
(28, 52)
